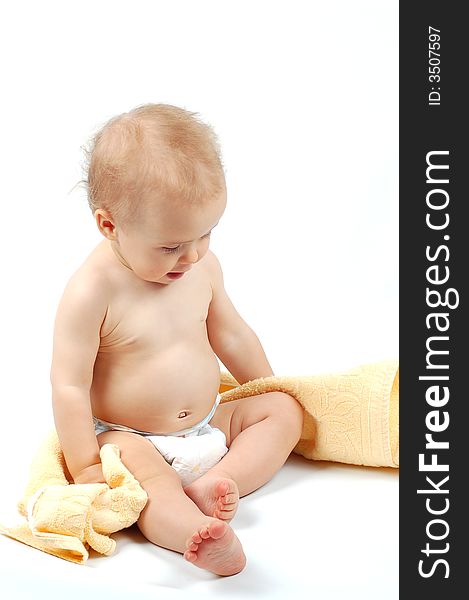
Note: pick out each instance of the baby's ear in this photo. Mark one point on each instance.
(105, 223)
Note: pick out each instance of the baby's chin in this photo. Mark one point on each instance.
(149, 278)
(161, 279)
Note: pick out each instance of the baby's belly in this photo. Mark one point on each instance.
(161, 393)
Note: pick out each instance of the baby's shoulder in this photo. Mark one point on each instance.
(212, 265)
(90, 282)
(213, 268)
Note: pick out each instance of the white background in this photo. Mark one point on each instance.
(304, 98)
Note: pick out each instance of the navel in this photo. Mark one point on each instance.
(183, 414)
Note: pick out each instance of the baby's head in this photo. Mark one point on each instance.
(156, 187)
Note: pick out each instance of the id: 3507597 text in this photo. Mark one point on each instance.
(434, 69)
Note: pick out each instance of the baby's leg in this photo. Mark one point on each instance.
(170, 518)
(261, 431)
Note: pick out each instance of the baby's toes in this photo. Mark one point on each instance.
(222, 487)
(190, 545)
(190, 556)
(221, 506)
(229, 498)
(224, 514)
(196, 538)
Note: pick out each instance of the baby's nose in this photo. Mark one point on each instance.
(190, 256)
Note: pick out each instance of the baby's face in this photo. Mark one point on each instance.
(167, 239)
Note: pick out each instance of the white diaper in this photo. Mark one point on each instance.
(191, 452)
(193, 455)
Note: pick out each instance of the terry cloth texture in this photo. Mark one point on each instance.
(350, 417)
(66, 519)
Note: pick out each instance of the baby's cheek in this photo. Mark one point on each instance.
(204, 249)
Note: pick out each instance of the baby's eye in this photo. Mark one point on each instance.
(168, 250)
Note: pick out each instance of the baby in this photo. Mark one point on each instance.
(147, 304)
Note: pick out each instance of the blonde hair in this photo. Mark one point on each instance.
(155, 149)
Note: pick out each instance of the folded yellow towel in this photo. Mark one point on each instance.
(65, 519)
(350, 417)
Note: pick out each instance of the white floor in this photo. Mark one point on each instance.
(317, 529)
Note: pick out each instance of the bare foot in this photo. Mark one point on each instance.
(216, 548)
(216, 497)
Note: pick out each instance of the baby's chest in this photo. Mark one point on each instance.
(156, 318)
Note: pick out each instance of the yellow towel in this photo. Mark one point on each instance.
(65, 519)
(350, 417)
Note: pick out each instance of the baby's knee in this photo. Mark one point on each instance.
(290, 411)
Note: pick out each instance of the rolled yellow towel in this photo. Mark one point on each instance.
(350, 417)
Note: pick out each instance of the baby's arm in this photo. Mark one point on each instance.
(80, 315)
(231, 338)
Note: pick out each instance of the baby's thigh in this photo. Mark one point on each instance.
(236, 415)
(139, 455)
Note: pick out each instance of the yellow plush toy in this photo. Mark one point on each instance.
(66, 519)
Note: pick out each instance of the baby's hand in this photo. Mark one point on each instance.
(90, 474)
